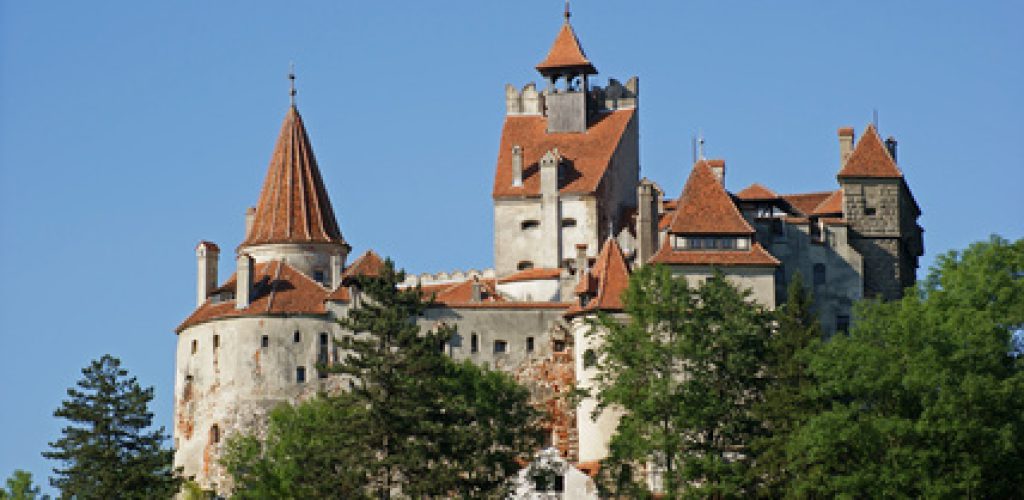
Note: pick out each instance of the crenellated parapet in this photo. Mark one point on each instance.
(616, 95)
(446, 277)
(530, 102)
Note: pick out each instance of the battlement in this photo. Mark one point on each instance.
(446, 277)
(531, 102)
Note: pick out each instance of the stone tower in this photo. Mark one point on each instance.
(257, 339)
(881, 211)
(568, 163)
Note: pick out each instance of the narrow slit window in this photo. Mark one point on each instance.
(195, 346)
(216, 342)
(474, 343)
(529, 224)
(265, 341)
(214, 433)
(297, 337)
(300, 374)
(529, 344)
(524, 265)
(568, 222)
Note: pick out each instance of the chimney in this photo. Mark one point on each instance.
(250, 217)
(549, 172)
(581, 261)
(243, 281)
(335, 271)
(890, 144)
(845, 145)
(207, 254)
(718, 168)
(477, 291)
(517, 165)
(646, 222)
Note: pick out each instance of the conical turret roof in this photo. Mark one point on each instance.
(293, 205)
(566, 55)
(870, 158)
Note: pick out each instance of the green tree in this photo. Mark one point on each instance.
(108, 450)
(20, 487)
(925, 396)
(412, 420)
(788, 380)
(685, 368)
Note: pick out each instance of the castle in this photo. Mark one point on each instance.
(572, 219)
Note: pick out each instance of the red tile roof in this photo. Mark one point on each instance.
(832, 205)
(805, 203)
(870, 158)
(279, 289)
(606, 280)
(756, 256)
(705, 207)
(368, 264)
(586, 156)
(538, 273)
(756, 192)
(293, 205)
(566, 54)
(461, 292)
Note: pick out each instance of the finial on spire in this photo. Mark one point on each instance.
(291, 78)
(568, 14)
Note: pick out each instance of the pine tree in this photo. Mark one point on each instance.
(108, 450)
(788, 379)
(21, 487)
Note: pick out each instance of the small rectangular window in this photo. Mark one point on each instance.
(559, 346)
(300, 374)
(529, 344)
(842, 323)
(216, 341)
(298, 336)
(195, 346)
(869, 210)
(265, 341)
(474, 343)
(500, 346)
(318, 276)
(323, 339)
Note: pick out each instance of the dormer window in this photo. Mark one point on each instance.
(529, 224)
(711, 243)
(318, 276)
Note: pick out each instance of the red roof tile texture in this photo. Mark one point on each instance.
(586, 156)
(757, 256)
(566, 53)
(293, 205)
(805, 203)
(278, 289)
(705, 207)
(870, 158)
(538, 273)
(756, 192)
(368, 264)
(606, 281)
(832, 205)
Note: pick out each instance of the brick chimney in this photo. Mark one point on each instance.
(517, 165)
(718, 168)
(845, 145)
(243, 281)
(207, 254)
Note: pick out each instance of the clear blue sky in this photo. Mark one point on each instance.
(131, 130)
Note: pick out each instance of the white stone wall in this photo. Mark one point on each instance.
(594, 433)
(236, 384)
(759, 280)
(546, 290)
(513, 244)
(307, 258)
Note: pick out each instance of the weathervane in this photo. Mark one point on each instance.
(291, 79)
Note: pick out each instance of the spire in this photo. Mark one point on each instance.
(566, 56)
(293, 205)
(291, 83)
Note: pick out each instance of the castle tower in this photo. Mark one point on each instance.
(568, 162)
(881, 211)
(258, 339)
(294, 221)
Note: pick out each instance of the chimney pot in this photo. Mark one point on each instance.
(207, 255)
(243, 281)
(890, 144)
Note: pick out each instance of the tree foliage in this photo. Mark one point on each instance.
(21, 487)
(925, 396)
(413, 422)
(788, 380)
(108, 450)
(685, 368)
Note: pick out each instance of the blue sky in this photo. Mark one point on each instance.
(131, 130)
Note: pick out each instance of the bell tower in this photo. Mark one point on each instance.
(570, 107)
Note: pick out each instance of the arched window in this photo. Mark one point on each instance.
(524, 265)
(819, 274)
(214, 434)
